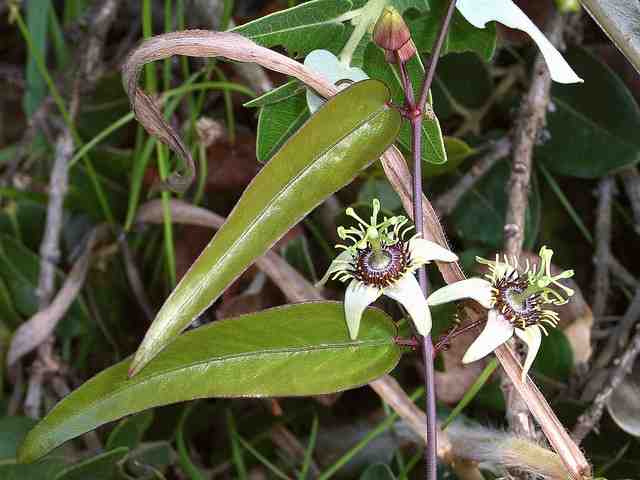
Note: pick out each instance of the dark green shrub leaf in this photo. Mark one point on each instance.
(302, 28)
(277, 122)
(462, 35)
(99, 467)
(593, 127)
(480, 215)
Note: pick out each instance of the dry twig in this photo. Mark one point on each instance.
(631, 179)
(601, 282)
(589, 420)
(448, 201)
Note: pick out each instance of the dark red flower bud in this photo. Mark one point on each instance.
(392, 34)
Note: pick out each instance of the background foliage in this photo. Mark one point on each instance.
(590, 135)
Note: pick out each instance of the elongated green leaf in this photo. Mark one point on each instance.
(342, 138)
(379, 471)
(100, 467)
(302, 28)
(37, 16)
(301, 349)
(277, 122)
(289, 89)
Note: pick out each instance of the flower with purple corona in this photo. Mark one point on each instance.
(516, 301)
(381, 261)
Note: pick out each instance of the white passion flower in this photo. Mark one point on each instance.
(515, 301)
(381, 261)
(480, 12)
(334, 70)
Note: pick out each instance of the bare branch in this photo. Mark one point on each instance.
(601, 282)
(448, 201)
(589, 420)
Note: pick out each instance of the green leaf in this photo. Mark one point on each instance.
(99, 467)
(37, 23)
(19, 269)
(297, 254)
(150, 457)
(130, 431)
(456, 72)
(462, 36)
(480, 215)
(12, 432)
(555, 358)
(593, 127)
(376, 67)
(457, 152)
(46, 469)
(301, 349)
(302, 28)
(9, 317)
(277, 122)
(381, 189)
(379, 471)
(345, 136)
(289, 89)
(404, 5)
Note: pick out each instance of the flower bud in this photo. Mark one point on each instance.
(392, 34)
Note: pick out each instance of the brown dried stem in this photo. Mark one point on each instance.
(448, 201)
(631, 180)
(589, 420)
(601, 281)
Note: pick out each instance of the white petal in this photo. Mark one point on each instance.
(424, 251)
(339, 263)
(407, 291)
(330, 67)
(478, 289)
(532, 336)
(497, 331)
(479, 12)
(358, 297)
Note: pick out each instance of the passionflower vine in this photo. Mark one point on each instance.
(515, 301)
(381, 261)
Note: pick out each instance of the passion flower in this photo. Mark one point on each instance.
(381, 261)
(516, 302)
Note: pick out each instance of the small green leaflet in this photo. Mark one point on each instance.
(287, 90)
(302, 28)
(277, 122)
